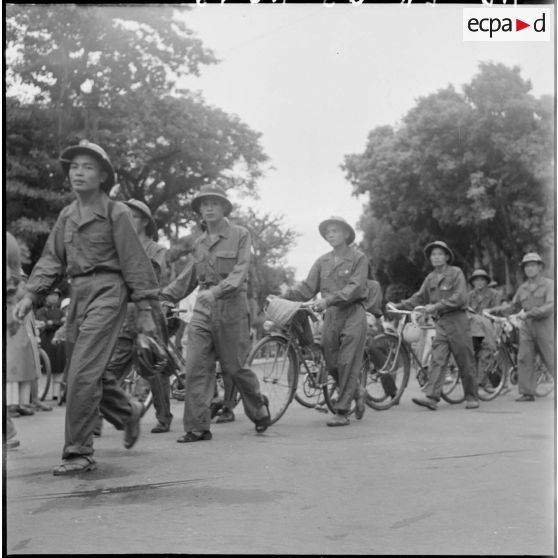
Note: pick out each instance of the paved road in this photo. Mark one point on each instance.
(403, 481)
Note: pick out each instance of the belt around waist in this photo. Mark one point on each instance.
(96, 272)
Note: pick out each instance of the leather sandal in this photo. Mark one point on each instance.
(79, 464)
(193, 437)
(263, 423)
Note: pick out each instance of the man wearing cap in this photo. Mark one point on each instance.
(480, 298)
(95, 243)
(123, 355)
(219, 325)
(340, 276)
(534, 300)
(444, 294)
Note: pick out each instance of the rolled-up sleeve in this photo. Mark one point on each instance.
(51, 265)
(136, 267)
(237, 277)
(420, 298)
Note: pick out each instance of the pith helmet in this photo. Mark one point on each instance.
(338, 221)
(151, 228)
(89, 148)
(531, 257)
(438, 244)
(211, 191)
(479, 273)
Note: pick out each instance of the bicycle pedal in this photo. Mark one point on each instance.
(321, 409)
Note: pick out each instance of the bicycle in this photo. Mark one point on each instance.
(504, 363)
(137, 387)
(45, 366)
(288, 363)
(389, 356)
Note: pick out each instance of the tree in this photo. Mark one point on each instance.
(472, 168)
(108, 73)
(271, 241)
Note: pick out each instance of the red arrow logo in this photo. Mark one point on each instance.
(519, 25)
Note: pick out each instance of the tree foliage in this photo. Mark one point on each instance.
(109, 74)
(473, 168)
(271, 241)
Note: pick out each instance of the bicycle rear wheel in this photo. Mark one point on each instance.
(387, 371)
(331, 390)
(45, 374)
(545, 379)
(275, 364)
(494, 378)
(452, 389)
(309, 392)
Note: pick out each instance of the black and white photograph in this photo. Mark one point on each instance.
(317, 238)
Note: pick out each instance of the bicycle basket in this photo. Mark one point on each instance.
(281, 311)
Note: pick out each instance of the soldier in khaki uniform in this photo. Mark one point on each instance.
(122, 357)
(444, 292)
(95, 242)
(219, 325)
(480, 298)
(534, 300)
(340, 276)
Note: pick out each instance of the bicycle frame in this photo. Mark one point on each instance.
(425, 343)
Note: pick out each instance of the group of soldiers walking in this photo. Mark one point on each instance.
(118, 279)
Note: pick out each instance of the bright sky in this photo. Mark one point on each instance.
(314, 80)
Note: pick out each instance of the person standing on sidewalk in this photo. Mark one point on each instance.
(22, 353)
(444, 294)
(94, 241)
(341, 278)
(534, 300)
(219, 325)
(123, 355)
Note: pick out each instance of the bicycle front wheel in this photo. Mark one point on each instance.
(388, 369)
(275, 364)
(45, 374)
(545, 379)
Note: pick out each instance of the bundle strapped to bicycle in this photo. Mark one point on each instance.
(284, 313)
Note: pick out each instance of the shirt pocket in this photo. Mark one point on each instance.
(225, 262)
(99, 244)
(539, 296)
(343, 276)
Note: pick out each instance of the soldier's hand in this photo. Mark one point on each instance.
(320, 305)
(22, 308)
(430, 308)
(145, 323)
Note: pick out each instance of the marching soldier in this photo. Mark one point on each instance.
(219, 325)
(340, 276)
(444, 292)
(95, 242)
(534, 300)
(480, 298)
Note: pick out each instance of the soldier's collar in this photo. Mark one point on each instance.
(345, 255)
